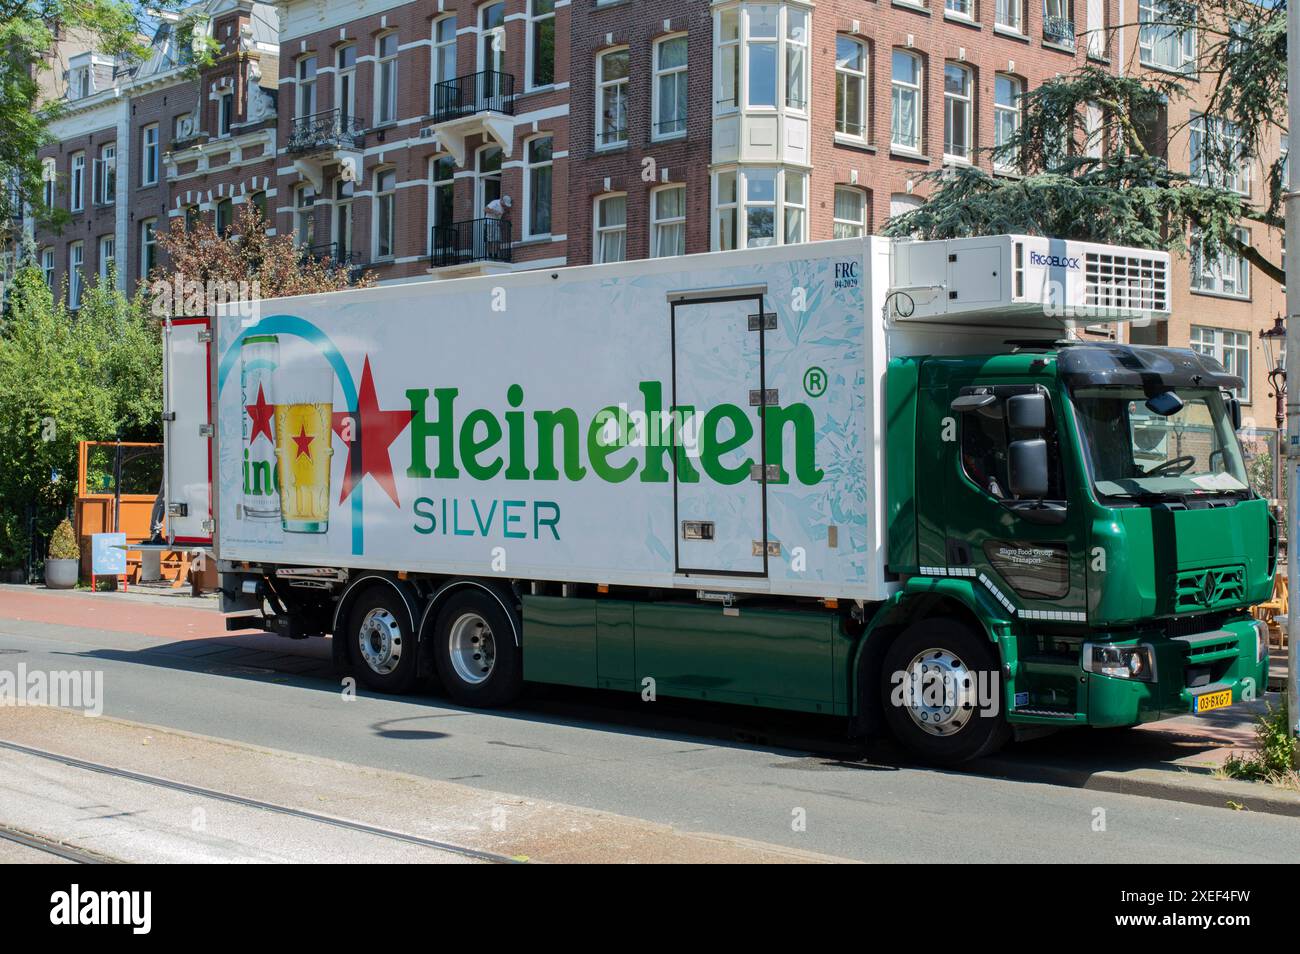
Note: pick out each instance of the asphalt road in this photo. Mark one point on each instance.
(665, 762)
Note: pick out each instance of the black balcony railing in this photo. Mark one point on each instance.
(1059, 30)
(328, 130)
(335, 257)
(475, 240)
(488, 91)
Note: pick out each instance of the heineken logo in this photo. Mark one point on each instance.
(615, 444)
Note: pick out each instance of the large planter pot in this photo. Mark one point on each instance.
(61, 574)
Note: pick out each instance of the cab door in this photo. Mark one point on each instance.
(1025, 549)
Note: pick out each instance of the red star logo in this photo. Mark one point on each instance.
(261, 414)
(303, 441)
(372, 432)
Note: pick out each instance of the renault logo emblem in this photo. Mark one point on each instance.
(1209, 587)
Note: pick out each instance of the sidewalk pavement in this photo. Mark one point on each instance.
(1174, 759)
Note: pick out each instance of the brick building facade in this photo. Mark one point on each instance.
(447, 137)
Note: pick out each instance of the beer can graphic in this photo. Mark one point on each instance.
(259, 356)
(304, 414)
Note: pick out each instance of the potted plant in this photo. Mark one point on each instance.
(64, 563)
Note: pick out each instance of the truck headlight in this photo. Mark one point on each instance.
(1121, 662)
(1261, 641)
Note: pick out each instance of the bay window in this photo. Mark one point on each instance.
(759, 207)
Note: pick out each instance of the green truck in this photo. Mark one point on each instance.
(869, 479)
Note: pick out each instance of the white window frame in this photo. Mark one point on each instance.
(677, 77)
(76, 281)
(49, 175)
(482, 177)
(1227, 276)
(442, 54)
(492, 40)
(434, 186)
(383, 196)
(345, 84)
(1095, 14)
(225, 113)
(1151, 36)
(107, 255)
(844, 76)
(149, 155)
(304, 215)
(535, 22)
(1219, 343)
(386, 79)
(1201, 127)
(844, 227)
(47, 267)
(1014, 114)
(780, 203)
(660, 222)
(959, 9)
(617, 87)
(343, 209)
(530, 168)
(899, 88)
(106, 180)
(306, 102)
(148, 246)
(1009, 15)
(952, 102)
(599, 232)
(727, 59)
(77, 182)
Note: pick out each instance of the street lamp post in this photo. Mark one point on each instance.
(1274, 340)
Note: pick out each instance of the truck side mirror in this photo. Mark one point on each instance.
(1234, 410)
(1027, 412)
(1027, 468)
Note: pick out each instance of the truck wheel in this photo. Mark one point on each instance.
(383, 647)
(474, 651)
(933, 681)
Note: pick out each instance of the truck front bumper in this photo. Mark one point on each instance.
(1187, 668)
(1229, 658)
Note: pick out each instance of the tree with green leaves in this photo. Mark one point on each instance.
(29, 32)
(65, 377)
(1109, 181)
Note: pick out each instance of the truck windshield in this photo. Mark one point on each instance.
(1134, 453)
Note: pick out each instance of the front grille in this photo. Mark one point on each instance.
(1192, 625)
(1208, 588)
(1132, 282)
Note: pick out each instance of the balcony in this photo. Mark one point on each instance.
(324, 140)
(324, 132)
(1058, 31)
(478, 104)
(335, 256)
(471, 242)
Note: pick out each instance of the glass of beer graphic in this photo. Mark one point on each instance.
(259, 355)
(303, 415)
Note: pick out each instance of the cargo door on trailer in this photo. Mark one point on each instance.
(187, 430)
(720, 495)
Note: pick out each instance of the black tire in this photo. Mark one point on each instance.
(381, 641)
(474, 650)
(959, 732)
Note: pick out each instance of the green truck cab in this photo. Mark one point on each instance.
(1086, 507)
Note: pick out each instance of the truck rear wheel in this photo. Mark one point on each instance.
(474, 651)
(942, 693)
(382, 645)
